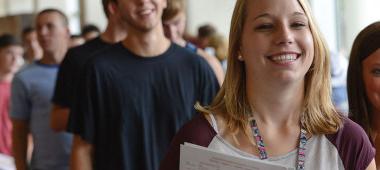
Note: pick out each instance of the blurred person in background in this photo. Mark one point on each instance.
(76, 40)
(33, 50)
(339, 65)
(204, 34)
(11, 59)
(174, 22)
(219, 43)
(90, 32)
(31, 91)
(71, 69)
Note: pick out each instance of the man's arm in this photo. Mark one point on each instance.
(81, 154)
(65, 88)
(20, 110)
(20, 143)
(59, 117)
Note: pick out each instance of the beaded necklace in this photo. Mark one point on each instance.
(263, 153)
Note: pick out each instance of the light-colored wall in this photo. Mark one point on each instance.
(324, 12)
(3, 11)
(93, 13)
(356, 15)
(17, 7)
(216, 12)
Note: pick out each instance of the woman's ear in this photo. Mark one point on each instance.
(240, 57)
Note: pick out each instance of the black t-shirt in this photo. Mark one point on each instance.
(70, 69)
(130, 107)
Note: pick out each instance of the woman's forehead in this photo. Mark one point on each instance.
(255, 8)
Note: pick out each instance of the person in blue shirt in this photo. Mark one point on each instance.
(32, 89)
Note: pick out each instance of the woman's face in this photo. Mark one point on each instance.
(371, 76)
(277, 44)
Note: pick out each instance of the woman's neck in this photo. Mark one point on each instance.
(277, 107)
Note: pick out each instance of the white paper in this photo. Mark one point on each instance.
(194, 157)
(6, 162)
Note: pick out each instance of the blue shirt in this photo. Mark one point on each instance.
(32, 89)
(129, 107)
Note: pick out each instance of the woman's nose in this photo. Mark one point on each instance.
(284, 35)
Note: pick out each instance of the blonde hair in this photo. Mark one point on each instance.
(231, 101)
(218, 42)
(174, 7)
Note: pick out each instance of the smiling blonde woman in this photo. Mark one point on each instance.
(277, 88)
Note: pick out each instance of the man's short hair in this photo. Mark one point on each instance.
(27, 30)
(52, 10)
(8, 40)
(89, 28)
(206, 31)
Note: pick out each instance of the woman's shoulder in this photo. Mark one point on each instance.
(353, 145)
(349, 133)
(198, 131)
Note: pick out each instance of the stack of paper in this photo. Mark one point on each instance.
(6, 162)
(194, 157)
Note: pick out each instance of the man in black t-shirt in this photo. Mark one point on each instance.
(75, 59)
(136, 94)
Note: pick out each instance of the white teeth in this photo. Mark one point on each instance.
(146, 11)
(286, 57)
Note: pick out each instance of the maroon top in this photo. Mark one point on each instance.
(353, 145)
(5, 121)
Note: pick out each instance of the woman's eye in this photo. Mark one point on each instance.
(298, 25)
(376, 72)
(264, 27)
